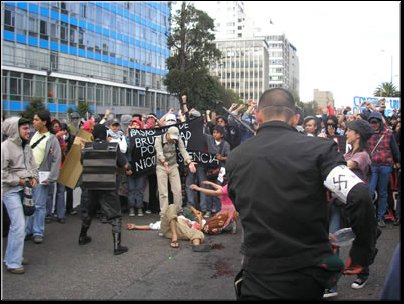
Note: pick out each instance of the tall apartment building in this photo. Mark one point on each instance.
(109, 54)
(233, 21)
(229, 17)
(244, 66)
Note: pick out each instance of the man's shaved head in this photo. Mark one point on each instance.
(275, 103)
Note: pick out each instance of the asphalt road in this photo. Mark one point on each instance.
(60, 269)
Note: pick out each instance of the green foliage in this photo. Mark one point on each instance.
(83, 108)
(193, 50)
(35, 105)
(386, 89)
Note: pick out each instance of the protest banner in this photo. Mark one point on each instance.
(191, 132)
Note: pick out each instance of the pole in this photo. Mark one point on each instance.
(391, 68)
(240, 121)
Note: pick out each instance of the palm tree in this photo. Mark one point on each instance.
(386, 89)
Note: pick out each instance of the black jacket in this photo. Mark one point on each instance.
(275, 181)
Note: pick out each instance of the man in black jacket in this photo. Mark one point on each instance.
(277, 181)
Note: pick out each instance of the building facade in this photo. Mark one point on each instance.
(244, 66)
(108, 54)
(321, 98)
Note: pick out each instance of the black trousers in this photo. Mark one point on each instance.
(303, 284)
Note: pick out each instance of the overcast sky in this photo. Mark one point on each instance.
(339, 44)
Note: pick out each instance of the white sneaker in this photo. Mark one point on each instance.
(140, 212)
(359, 283)
(132, 212)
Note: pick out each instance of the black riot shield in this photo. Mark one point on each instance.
(99, 165)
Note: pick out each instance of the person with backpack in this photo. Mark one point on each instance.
(167, 166)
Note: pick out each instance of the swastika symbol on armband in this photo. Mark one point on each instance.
(340, 181)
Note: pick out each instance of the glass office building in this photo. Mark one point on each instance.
(108, 54)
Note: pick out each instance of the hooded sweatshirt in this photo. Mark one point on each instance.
(17, 160)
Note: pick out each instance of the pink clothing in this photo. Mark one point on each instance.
(227, 207)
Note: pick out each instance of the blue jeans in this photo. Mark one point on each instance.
(380, 179)
(13, 256)
(59, 200)
(36, 222)
(136, 185)
(196, 178)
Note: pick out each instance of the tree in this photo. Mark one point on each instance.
(193, 50)
(83, 108)
(386, 89)
(35, 105)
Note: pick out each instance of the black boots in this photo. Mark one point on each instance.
(118, 249)
(84, 238)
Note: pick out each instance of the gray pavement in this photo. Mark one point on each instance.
(60, 269)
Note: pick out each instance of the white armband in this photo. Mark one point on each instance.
(340, 181)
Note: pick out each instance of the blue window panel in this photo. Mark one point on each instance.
(92, 109)
(131, 40)
(105, 32)
(137, 18)
(33, 8)
(90, 55)
(74, 21)
(118, 61)
(105, 58)
(54, 15)
(98, 29)
(73, 50)
(14, 105)
(113, 8)
(9, 35)
(119, 36)
(64, 48)
(119, 11)
(105, 5)
(132, 17)
(44, 12)
(112, 34)
(97, 56)
(126, 14)
(51, 107)
(125, 63)
(62, 107)
(22, 5)
(137, 66)
(43, 43)
(54, 46)
(33, 41)
(21, 39)
(112, 60)
(90, 26)
(131, 64)
(82, 24)
(64, 18)
(82, 53)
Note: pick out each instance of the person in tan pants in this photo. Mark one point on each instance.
(167, 167)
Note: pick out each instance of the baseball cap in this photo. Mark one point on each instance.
(174, 132)
(115, 121)
(75, 115)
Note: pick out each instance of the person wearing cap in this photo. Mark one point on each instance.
(278, 184)
(74, 124)
(358, 160)
(384, 155)
(115, 134)
(17, 166)
(167, 166)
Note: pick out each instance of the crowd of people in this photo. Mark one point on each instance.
(287, 173)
